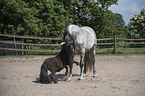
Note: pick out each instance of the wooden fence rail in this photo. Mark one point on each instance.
(130, 39)
(27, 50)
(7, 42)
(30, 37)
(115, 43)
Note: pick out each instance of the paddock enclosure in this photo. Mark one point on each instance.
(15, 45)
(117, 76)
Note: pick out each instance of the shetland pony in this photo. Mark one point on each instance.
(57, 63)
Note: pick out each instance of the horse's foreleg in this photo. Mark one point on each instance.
(82, 65)
(85, 71)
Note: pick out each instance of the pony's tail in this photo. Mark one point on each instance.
(44, 77)
(89, 59)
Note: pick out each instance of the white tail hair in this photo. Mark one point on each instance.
(62, 43)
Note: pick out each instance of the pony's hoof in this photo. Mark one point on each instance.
(65, 78)
(55, 82)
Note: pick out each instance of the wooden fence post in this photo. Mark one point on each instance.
(15, 45)
(22, 49)
(115, 49)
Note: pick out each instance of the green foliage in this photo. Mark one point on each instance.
(107, 3)
(50, 17)
(33, 18)
(137, 25)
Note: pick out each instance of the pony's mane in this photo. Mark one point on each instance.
(66, 54)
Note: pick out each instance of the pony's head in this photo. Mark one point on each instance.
(69, 39)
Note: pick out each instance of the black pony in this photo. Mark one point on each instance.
(57, 63)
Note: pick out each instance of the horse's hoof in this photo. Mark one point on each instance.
(68, 79)
(81, 78)
(84, 75)
(94, 75)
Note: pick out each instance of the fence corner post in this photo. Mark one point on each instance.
(115, 49)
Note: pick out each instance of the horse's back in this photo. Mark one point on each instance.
(87, 37)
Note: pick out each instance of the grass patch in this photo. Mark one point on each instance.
(121, 52)
(98, 52)
(41, 53)
(131, 51)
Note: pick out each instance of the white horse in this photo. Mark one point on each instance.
(85, 41)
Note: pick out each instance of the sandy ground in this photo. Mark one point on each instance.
(117, 76)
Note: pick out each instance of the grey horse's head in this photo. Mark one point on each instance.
(68, 39)
(70, 42)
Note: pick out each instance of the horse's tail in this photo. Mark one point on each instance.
(89, 59)
(44, 77)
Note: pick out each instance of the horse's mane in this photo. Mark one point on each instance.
(65, 32)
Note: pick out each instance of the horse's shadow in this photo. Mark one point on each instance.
(59, 77)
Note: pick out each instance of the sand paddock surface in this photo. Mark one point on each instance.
(117, 76)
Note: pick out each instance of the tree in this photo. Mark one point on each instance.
(119, 24)
(33, 18)
(50, 17)
(137, 25)
(118, 20)
(105, 4)
(17, 17)
(90, 13)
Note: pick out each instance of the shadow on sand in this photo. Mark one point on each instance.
(59, 77)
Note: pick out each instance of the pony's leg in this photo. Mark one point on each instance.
(82, 64)
(51, 76)
(77, 63)
(70, 73)
(94, 70)
(66, 72)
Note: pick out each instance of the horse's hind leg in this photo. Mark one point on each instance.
(94, 53)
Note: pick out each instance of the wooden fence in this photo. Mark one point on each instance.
(114, 43)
